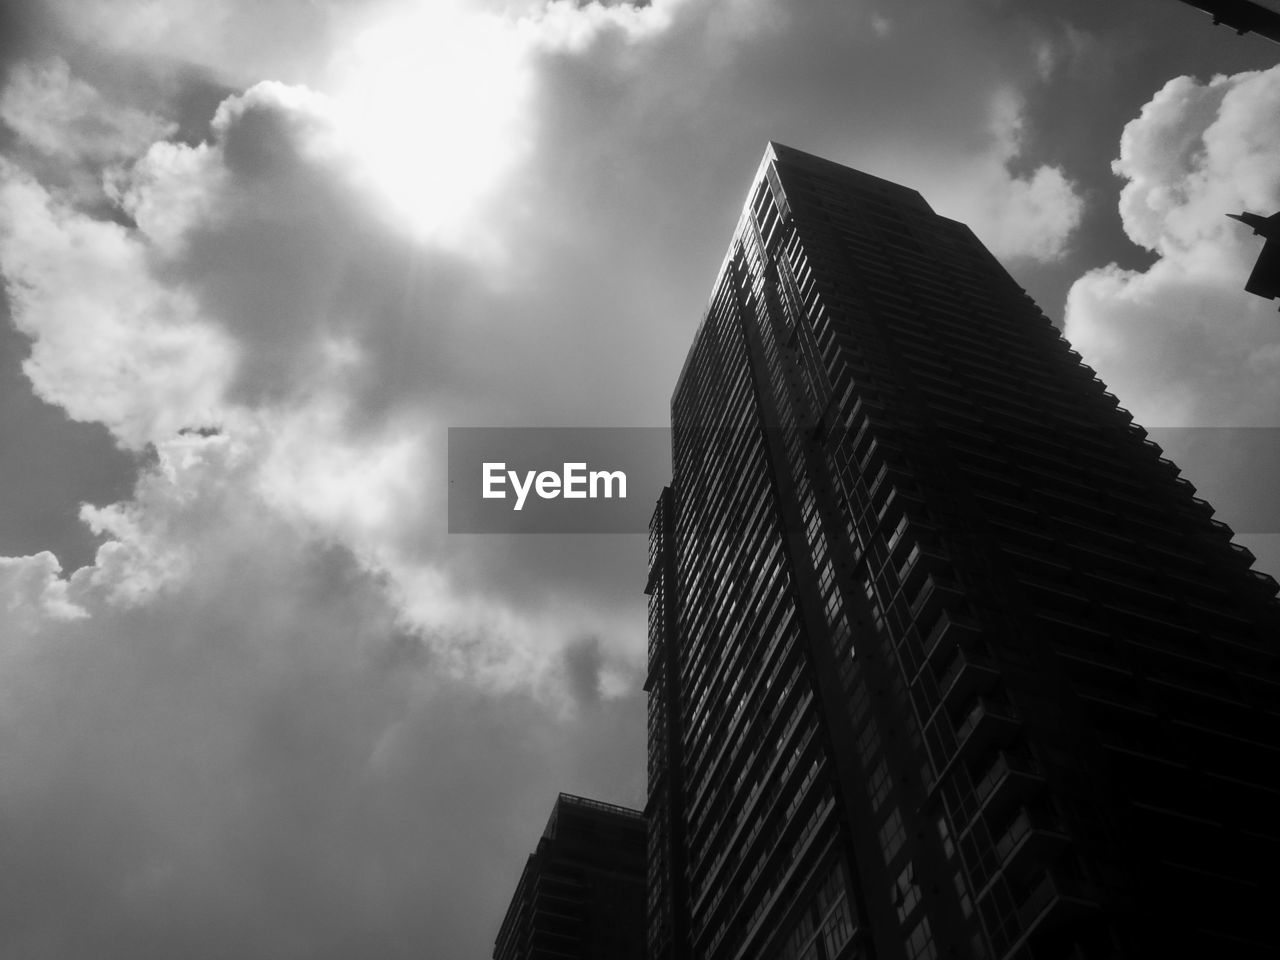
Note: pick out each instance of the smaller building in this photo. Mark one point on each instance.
(582, 893)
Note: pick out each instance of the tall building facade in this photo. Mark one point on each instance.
(581, 894)
(945, 659)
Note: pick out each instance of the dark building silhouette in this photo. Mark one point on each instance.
(946, 660)
(581, 895)
(1244, 16)
(1264, 280)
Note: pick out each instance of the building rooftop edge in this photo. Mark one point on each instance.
(774, 153)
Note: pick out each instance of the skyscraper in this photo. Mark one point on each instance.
(581, 894)
(945, 658)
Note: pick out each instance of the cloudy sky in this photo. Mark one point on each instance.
(258, 257)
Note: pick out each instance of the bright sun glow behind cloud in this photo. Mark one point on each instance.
(435, 102)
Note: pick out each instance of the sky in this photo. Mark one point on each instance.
(257, 258)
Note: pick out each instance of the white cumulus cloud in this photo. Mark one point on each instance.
(110, 343)
(1181, 343)
(1028, 215)
(62, 115)
(30, 590)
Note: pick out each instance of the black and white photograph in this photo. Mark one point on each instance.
(639, 479)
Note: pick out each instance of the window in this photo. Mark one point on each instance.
(892, 835)
(838, 927)
(859, 703)
(905, 893)
(869, 741)
(879, 785)
(920, 944)
(948, 846)
(831, 889)
(798, 945)
(966, 902)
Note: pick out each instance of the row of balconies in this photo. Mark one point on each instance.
(758, 728)
(707, 826)
(1054, 901)
(1004, 789)
(1013, 777)
(965, 674)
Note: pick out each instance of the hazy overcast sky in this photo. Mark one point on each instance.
(255, 702)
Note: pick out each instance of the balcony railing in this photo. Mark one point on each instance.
(1221, 529)
(988, 721)
(1050, 903)
(1202, 506)
(1244, 552)
(970, 672)
(1030, 841)
(933, 597)
(1266, 581)
(1015, 777)
(950, 631)
(921, 561)
(1055, 898)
